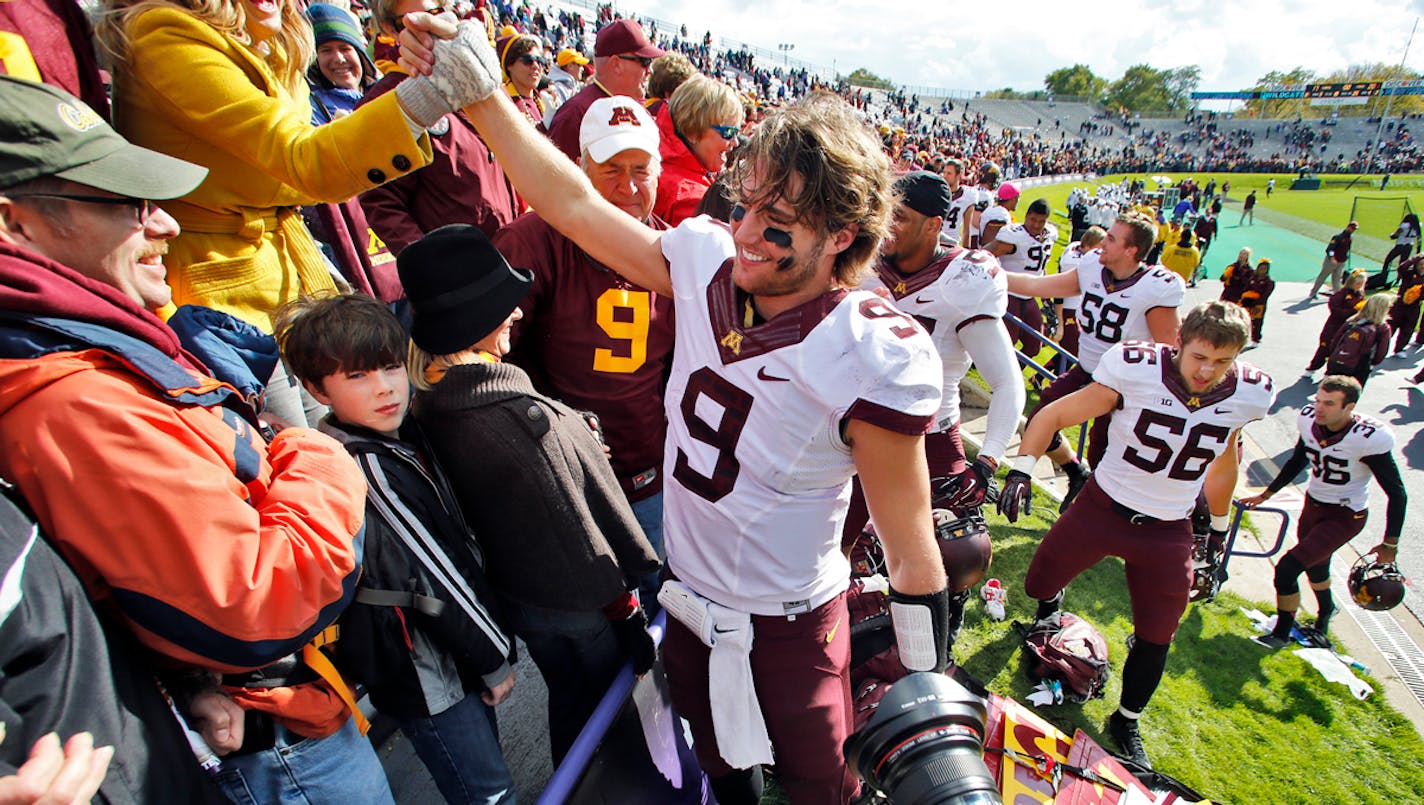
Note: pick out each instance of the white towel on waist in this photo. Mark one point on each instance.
(736, 713)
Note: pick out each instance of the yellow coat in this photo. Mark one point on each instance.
(200, 95)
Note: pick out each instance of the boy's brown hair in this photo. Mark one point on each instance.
(322, 335)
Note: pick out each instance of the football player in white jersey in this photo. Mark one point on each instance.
(1343, 450)
(962, 199)
(1067, 334)
(1174, 434)
(784, 383)
(1120, 299)
(959, 296)
(1024, 249)
(991, 220)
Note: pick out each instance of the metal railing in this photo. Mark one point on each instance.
(1044, 371)
(1239, 511)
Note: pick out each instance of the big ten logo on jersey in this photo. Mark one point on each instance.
(625, 316)
(376, 249)
(715, 412)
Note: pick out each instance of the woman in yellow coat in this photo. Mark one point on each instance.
(220, 83)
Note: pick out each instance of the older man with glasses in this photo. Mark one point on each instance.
(622, 62)
(223, 553)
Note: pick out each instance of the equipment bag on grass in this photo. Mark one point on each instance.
(1065, 647)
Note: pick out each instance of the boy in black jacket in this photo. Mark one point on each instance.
(423, 588)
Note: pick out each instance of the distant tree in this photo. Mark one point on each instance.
(1145, 88)
(1011, 94)
(1181, 83)
(1278, 107)
(1402, 104)
(1076, 80)
(862, 77)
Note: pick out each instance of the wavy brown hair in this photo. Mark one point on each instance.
(843, 173)
(289, 52)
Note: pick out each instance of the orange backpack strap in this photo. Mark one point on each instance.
(316, 660)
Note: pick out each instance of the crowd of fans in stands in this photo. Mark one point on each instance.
(384, 176)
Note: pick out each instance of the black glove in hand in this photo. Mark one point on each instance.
(633, 638)
(1016, 496)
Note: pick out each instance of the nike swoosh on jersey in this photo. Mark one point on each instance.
(923, 301)
(762, 375)
(1221, 410)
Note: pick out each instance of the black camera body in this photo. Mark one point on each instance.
(925, 745)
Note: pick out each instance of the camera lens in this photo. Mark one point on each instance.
(925, 745)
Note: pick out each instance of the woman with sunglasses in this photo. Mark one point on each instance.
(524, 63)
(699, 125)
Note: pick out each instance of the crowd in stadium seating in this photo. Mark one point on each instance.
(383, 175)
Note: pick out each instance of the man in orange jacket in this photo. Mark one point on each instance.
(222, 552)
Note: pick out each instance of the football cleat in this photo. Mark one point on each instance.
(995, 597)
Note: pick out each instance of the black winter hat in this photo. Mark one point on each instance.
(459, 286)
(926, 193)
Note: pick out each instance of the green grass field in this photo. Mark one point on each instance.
(1237, 723)
(1317, 214)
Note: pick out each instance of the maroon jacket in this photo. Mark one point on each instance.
(1343, 304)
(462, 185)
(564, 127)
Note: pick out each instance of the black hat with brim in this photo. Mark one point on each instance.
(459, 286)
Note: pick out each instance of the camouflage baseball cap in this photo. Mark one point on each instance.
(45, 131)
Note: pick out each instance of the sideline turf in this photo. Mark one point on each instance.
(1291, 228)
(1238, 723)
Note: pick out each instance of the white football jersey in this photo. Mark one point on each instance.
(1030, 254)
(962, 287)
(962, 199)
(1068, 261)
(1337, 474)
(993, 215)
(1163, 437)
(758, 473)
(1111, 311)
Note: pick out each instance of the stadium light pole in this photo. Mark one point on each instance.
(1389, 102)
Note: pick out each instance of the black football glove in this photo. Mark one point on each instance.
(633, 638)
(966, 491)
(1016, 496)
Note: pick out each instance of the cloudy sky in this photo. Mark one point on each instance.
(964, 46)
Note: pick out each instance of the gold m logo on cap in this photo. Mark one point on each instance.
(79, 117)
(622, 115)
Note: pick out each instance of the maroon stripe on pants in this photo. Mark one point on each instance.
(1323, 529)
(801, 670)
(1157, 558)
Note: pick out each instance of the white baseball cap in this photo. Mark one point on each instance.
(615, 124)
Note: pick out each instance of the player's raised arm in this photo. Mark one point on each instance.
(463, 72)
(1053, 285)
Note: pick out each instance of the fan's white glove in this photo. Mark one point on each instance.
(466, 70)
